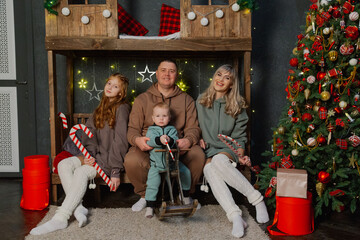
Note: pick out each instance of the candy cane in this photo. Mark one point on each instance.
(225, 139)
(64, 120)
(85, 152)
(171, 154)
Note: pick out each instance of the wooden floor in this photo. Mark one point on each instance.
(15, 223)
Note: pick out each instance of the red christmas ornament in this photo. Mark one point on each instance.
(322, 113)
(268, 192)
(320, 75)
(306, 117)
(336, 13)
(352, 32)
(294, 62)
(294, 119)
(321, 140)
(347, 8)
(346, 49)
(324, 177)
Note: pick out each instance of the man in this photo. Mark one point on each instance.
(183, 110)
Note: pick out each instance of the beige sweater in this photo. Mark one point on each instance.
(183, 114)
(109, 146)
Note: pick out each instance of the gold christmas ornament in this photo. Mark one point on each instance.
(316, 108)
(281, 130)
(342, 104)
(333, 55)
(295, 152)
(355, 113)
(325, 95)
(320, 187)
(318, 103)
(307, 93)
(295, 51)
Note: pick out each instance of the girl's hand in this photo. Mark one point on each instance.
(240, 151)
(202, 144)
(164, 139)
(89, 161)
(245, 160)
(115, 183)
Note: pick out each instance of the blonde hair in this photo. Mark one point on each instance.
(106, 111)
(163, 106)
(234, 101)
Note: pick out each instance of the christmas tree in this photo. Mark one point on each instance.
(320, 126)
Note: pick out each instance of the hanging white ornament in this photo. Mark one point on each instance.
(106, 13)
(204, 21)
(295, 152)
(235, 7)
(324, 3)
(219, 13)
(353, 16)
(326, 31)
(85, 19)
(310, 79)
(353, 61)
(65, 11)
(311, 142)
(191, 16)
(342, 104)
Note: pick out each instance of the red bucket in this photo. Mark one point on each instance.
(35, 196)
(36, 176)
(36, 162)
(294, 216)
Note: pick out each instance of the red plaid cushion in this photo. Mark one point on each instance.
(128, 25)
(169, 20)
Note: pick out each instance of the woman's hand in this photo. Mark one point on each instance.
(245, 160)
(202, 144)
(164, 139)
(89, 161)
(115, 183)
(141, 143)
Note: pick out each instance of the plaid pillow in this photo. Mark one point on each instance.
(169, 20)
(128, 25)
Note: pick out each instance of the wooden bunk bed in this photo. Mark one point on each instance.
(228, 37)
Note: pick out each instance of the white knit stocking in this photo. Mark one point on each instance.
(235, 179)
(74, 197)
(66, 169)
(221, 191)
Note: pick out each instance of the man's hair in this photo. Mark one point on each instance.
(170, 61)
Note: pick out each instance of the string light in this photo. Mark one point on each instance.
(182, 85)
(84, 58)
(210, 79)
(82, 83)
(133, 91)
(112, 66)
(79, 71)
(134, 66)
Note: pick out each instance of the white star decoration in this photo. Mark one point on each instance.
(94, 93)
(146, 74)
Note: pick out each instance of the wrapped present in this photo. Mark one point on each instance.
(291, 183)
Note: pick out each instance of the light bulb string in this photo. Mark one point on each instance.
(206, 14)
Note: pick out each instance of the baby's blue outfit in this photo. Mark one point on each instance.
(157, 161)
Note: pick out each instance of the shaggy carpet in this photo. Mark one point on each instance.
(209, 222)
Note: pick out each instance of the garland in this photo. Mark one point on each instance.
(49, 4)
(248, 4)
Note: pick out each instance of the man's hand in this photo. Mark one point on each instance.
(115, 183)
(202, 144)
(89, 161)
(183, 143)
(141, 143)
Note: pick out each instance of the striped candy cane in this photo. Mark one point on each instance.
(226, 139)
(171, 154)
(64, 120)
(84, 151)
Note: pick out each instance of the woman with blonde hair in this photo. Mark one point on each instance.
(107, 147)
(221, 110)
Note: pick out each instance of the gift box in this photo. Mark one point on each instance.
(291, 183)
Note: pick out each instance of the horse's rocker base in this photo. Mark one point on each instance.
(167, 210)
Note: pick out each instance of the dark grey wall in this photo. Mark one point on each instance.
(275, 26)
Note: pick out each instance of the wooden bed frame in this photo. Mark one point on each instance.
(229, 37)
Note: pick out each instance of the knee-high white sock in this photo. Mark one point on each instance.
(66, 170)
(50, 226)
(238, 225)
(74, 197)
(221, 191)
(235, 179)
(262, 215)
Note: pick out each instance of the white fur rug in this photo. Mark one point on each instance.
(209, 222)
